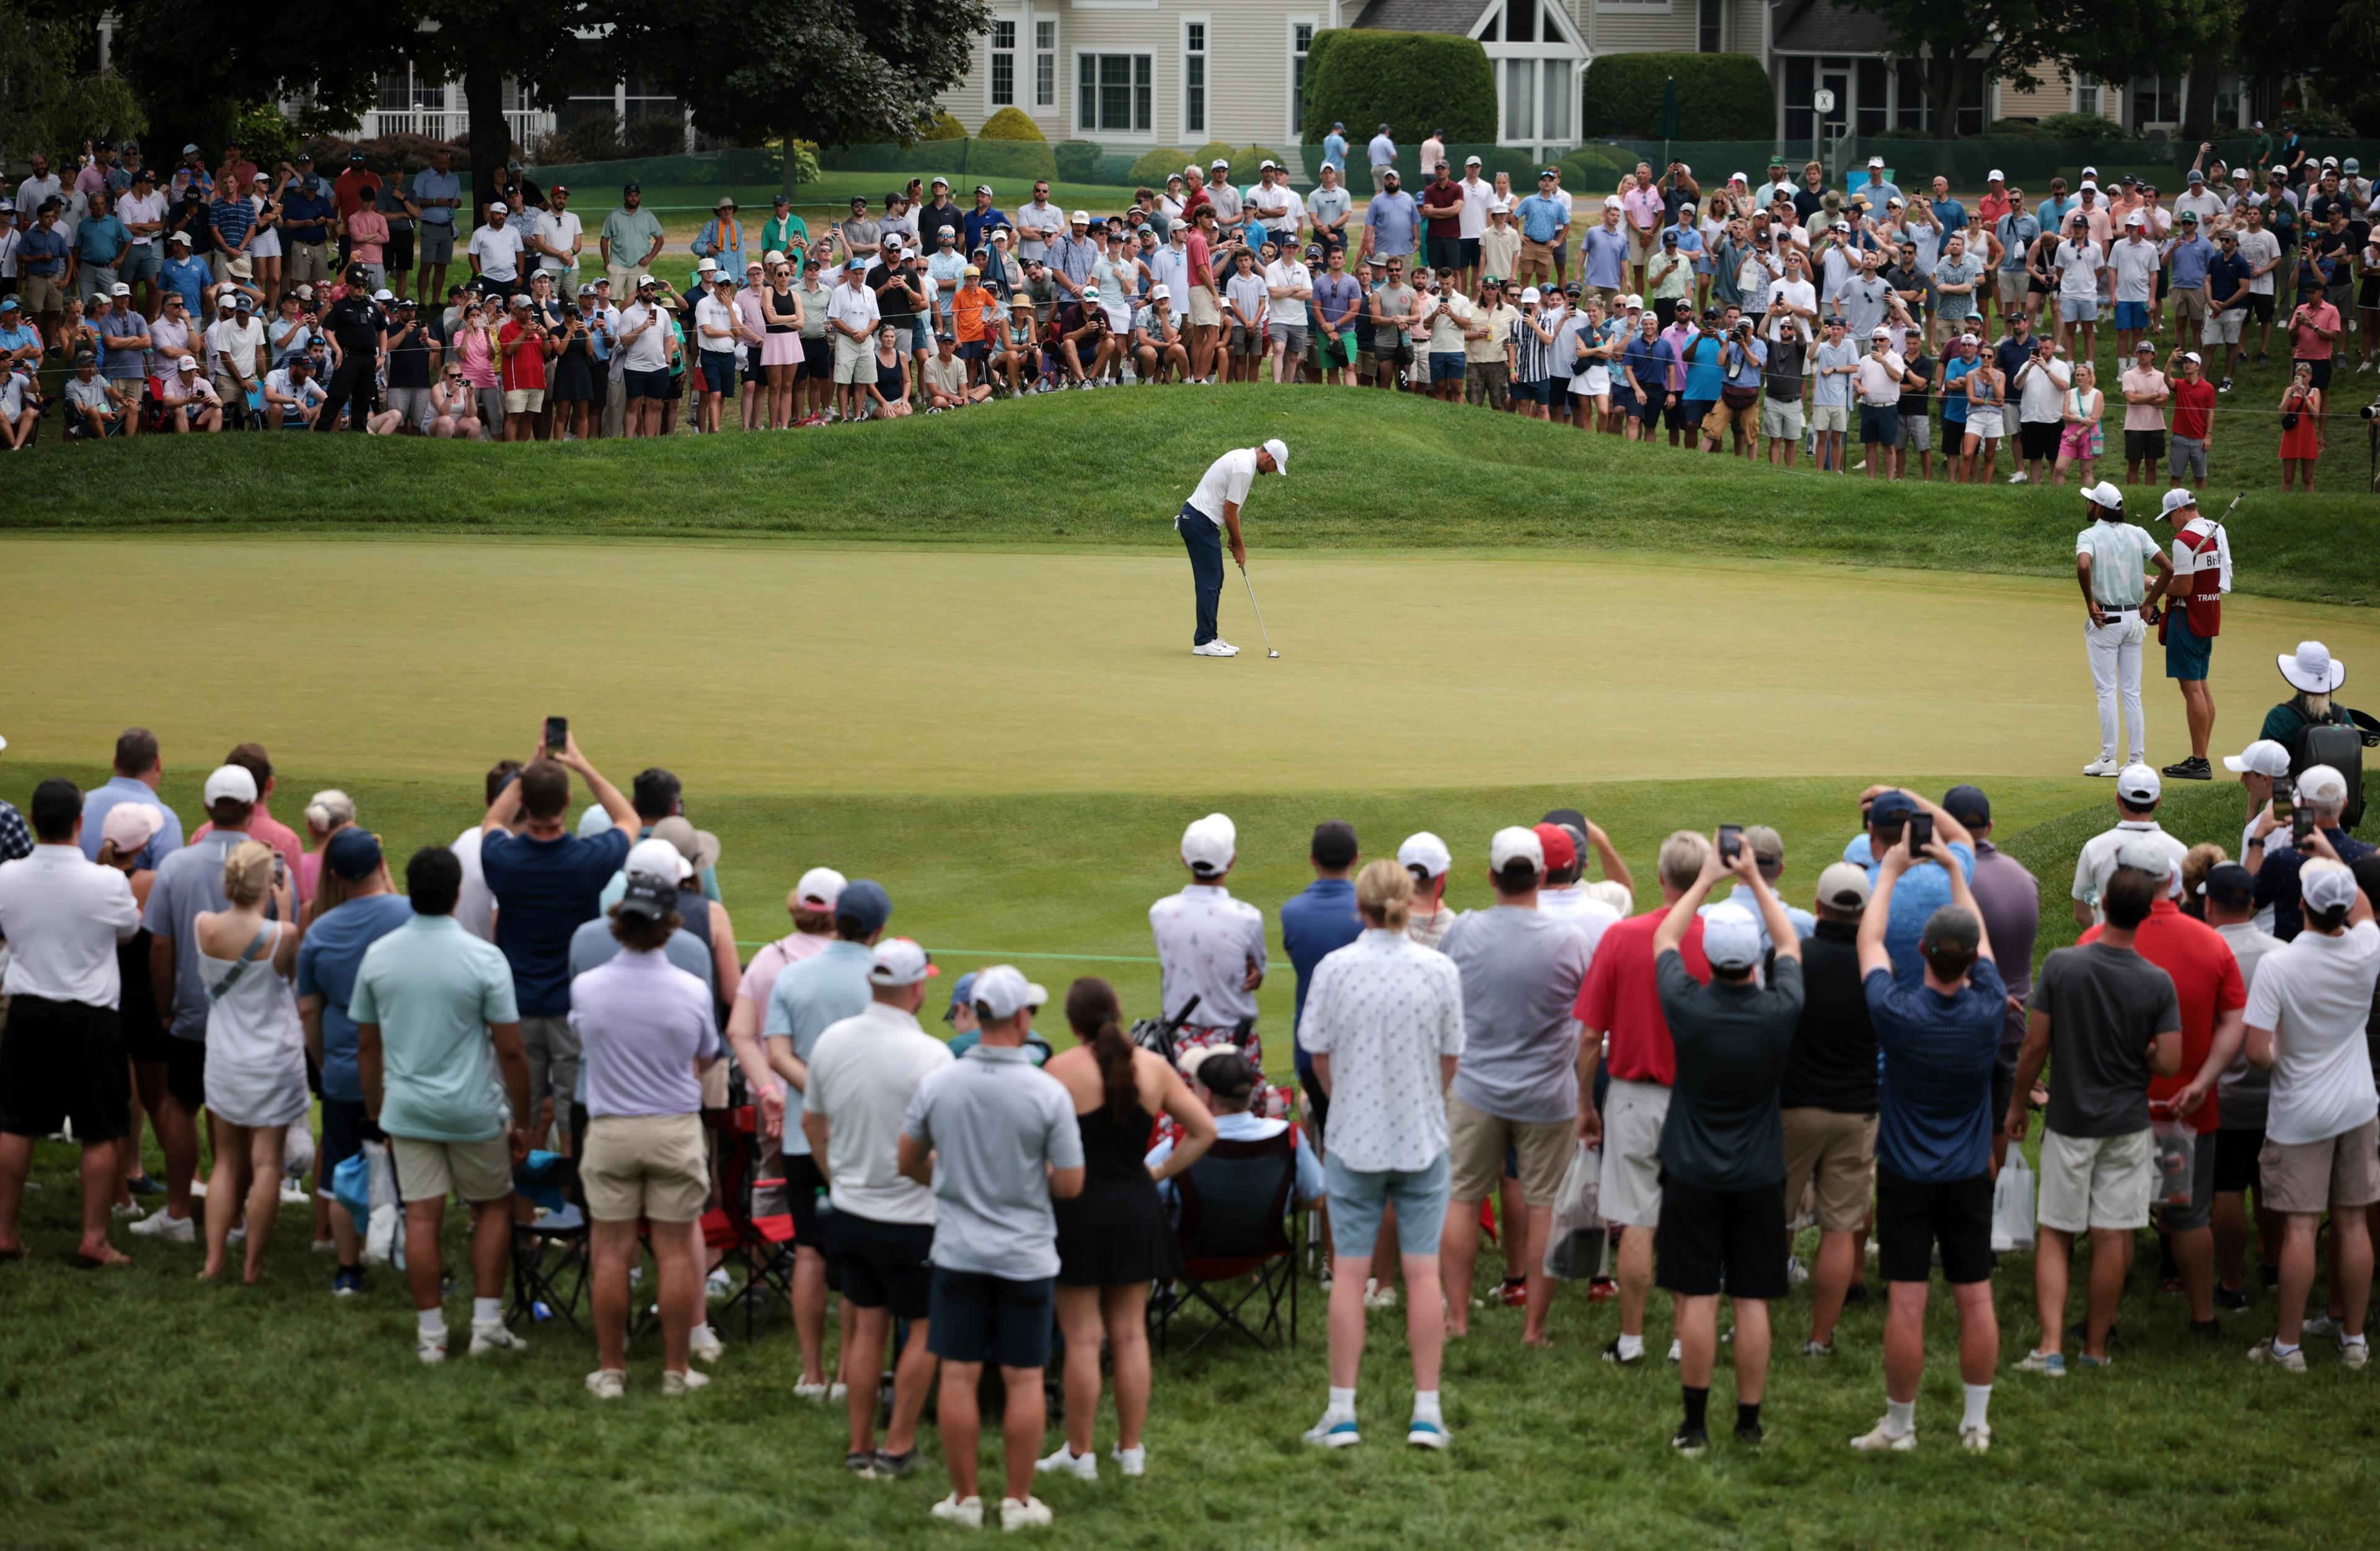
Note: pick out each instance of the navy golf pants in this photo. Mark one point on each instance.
(1205, 542)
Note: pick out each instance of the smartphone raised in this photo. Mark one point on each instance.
(2284, 805)
(1730, 840)
(557, 733)
(1921, 833)
(2301, 825)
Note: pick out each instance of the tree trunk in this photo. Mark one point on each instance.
(2198, 118)
(1946, 79)
(491, 134)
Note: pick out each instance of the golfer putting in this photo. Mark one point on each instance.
(1213, 511)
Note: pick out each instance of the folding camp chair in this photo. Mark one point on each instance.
(750, 1224)
(1238, 1234)
(552, 1265)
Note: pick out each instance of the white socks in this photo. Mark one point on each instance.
(487, 1311)
(1426, 1406)
(1631, 1347)
(1343, 1402)
(1979, 1401)
(1899, 1418)
(433, 1322)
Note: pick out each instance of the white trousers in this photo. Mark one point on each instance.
(2115, 651)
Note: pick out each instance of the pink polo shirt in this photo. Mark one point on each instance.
(1644, 207)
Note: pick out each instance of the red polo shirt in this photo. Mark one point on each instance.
(1621, 997)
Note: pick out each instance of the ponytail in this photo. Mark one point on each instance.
(1096, 1018)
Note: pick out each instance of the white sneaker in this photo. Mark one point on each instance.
(704, 1345)
(1131, 1461)
(1334, 1431)
(687, 1383)
(494, 1337)
(1082, 1467)
(1378, 1297)
(608, 1384)
(120, 1213)
(2265, 1352)
(814, 1393)
(965, 1512)
(1030, 1514)
(2102, 765)
(326, 1246)
(1217, 648)
(1674, 1352)
(237, 1236)
(836, 1391)
(1875, 1441)
(1976, 1439)
(159, 1224)
(431, 1348)
(2018, 478)
(717, 1285)
(2355, 1354)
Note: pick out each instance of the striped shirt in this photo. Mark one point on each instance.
(1532, 356)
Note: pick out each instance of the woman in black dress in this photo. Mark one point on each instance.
(1113, 1239)
(573, 378)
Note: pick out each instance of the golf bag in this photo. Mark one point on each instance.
(1157, 1033)
(2339, 745)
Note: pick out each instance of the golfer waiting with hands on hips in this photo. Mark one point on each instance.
(2111, 562)
(1213, 510)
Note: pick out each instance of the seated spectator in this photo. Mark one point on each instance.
(1226, 1083)
(188, 400)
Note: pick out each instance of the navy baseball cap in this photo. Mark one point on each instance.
(1967, 805)
(353, 853)
(960, 988)
(865, 903)
(1890, 805)
(2229, 882)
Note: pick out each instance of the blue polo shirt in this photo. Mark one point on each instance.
(544, 890)
(432, 184)
(15, 337)
(118, 363)
(2225, 276)
(124, 789)
(101, 240)
(1603, 255)
(1320, 919)
(2191, 260)
(1934, 1099)
(230, 220)
(328, 958)
(42, 251)
(1541, 218)
(304, 216)
(188, 278)
(1703, 358)
(978, 225)
(1954, 405)
(1953, 216)
(1394, 220)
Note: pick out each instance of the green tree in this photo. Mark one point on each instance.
(52, 95)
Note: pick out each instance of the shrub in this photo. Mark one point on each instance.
(1012, 124)
(1591, 168)
(1720, 96)
(1075, 159)
(1114, 169)
(943, 128)
(406, 153)
(2016, 129)
(1412, 81)
(2315, 121)
(1010, 159)
(2082, 126)
(265, 134)
(1205, 155)
(1155, 166)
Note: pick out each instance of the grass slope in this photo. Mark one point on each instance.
(1366, 469)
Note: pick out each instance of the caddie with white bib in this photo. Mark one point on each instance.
(2192, 617)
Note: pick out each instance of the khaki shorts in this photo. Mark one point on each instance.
(523, 401)
(474, 1170)
(2308, 1177)
(1724, 415)
(1837, 1154)
(306, 264)
(2096, 1182)
(1475, 1143)
(43, 293)
(1642, 245)
(645, 1165)
(623, 279)
(1830, 417)
(2011, 284)
(1780, 418)
(1630, 1189)
(854, 361)
(1206, 312)
(1537, 258)
(2189, 308)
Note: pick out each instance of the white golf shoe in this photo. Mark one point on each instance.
(1217, 648)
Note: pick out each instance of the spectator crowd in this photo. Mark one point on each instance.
(1862, 328)
(1639, 1098)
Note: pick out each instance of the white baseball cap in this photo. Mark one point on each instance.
(1731, 937)
(2175, 499)
(1995, 175)
(1165, 292)
(2313, 669)
(1280, 451)
(2142, 853)
(1514, 841)
(186, 363)
(1209, 843)
(898, 960)
(707, 266)
(1876, 162)
(2324, 884)
(2321, 784)
(819, 890)
(1530, 294)
(1611, 201)
(1007, 992)
(657, 858)
(235, 781)
(2106, 496)
(2263, 757)
(1427, 852)
(2139, 783)
(1082, 218)
(1842, 886)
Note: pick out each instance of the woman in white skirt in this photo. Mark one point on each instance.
(1987, 417)
(264, 242)
(255, 1061)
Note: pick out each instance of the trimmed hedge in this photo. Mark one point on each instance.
(1412, 81)
(943, 127)
(1720, 97)
(2082, 127)
(1155, 166)
(1012, 124)
(1012, 158)
(1591, 169)
(1075, 160)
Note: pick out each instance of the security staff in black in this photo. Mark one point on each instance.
(355, 323)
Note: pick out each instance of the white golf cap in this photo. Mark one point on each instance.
(235, 781)
(2263, 757)
(594, 822)
(1005, 992)
(186, 363)
(898, 960)
(2090, 172)
(2321, 784)
(2326, 885)
(2094, 188)
(1268, 164)
(1880, 332)
(1842, 886)
(1634, 303)
(1160, 293)
(2138, 784)
(1498, 207)
(1530, 294)
(1090, 293)
(1731, 937)
(2313, 669)
(1513, 842)
(819, 888)
(1876, 162)
(1611, 201)
(2143, 855)
(383, 293)
(2135, 219)
(2106, 495)
(1209, 843)
(1995, 175)
(1279, 451)
(2175, 500)
(1427, 852)
(657, 858)
(1079, 218)
(1473, 160)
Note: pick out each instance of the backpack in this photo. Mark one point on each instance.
(2339, 745)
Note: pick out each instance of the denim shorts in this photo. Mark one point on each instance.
(1358, 1199)
(2078, 309)
(2131, 315)
(1445, 366)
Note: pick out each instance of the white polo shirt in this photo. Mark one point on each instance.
(62, 916)
(2314, 993)
(2097, 862)
(1225, 484)
(1473, 217)
(863, 1072)
(1204, 941)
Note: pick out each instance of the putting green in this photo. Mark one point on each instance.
(778, 668)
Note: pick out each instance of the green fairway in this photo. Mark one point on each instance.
(1368, 471)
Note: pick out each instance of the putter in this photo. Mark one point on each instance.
(1260, 624)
